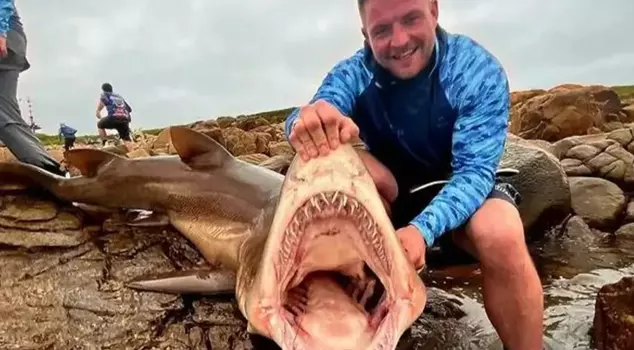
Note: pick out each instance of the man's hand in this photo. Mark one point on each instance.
(319, 128)
(414, 244)
(3, 47)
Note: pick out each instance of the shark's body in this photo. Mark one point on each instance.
(289, 246)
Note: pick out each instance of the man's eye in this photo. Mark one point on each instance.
(412, 19)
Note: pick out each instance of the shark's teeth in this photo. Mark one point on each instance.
(325, 205)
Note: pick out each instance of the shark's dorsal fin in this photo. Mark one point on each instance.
(89, 160)
(198, 150)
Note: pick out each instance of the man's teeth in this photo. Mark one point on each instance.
(405, 54)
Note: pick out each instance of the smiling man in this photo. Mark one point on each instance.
(431, 105)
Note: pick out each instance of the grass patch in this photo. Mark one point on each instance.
(624, 91)
(274, 116)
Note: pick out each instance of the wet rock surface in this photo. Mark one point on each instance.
(71, 294)
(614, 316)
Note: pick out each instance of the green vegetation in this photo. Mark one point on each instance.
(624, 91)
(274, 116)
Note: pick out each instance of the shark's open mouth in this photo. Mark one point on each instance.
(334, 272)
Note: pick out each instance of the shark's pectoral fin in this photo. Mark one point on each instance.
(203, 281)
(198, 150)
(146, 218)
(89, 160)
(18, 176)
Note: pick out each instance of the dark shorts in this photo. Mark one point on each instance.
(122, 126)
(407, 206)
(69, 142)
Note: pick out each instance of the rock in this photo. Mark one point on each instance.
(625, 232)
(239, 142)
(606, 155)
(613, 327)
(31, 223)
(565, 111)
(138, 153)
(281, 148)
(629, 213)
(278, 163)
(598, 201)
(629, 111)
(255, 158)
(76, 298)
(541, 182)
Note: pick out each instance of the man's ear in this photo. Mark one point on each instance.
(364, 32)
(434, 9)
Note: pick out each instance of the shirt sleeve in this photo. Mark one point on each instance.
(6, 10)
(341, 87)
(481, 94)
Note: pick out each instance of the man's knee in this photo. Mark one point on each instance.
(382, 176)
(497, 232)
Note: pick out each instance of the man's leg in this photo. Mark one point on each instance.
(103, 124)
(512, 290)
(123, 128)
(14, 132)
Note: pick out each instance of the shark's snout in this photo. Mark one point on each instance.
(337, 276)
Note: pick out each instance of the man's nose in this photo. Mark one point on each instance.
(400, 37)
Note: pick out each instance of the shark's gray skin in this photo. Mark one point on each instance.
(312, 257)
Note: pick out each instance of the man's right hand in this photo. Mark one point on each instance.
(319, 128)
(3, 47)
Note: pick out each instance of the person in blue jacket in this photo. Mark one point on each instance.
(431, 105)
(14, 132)
(68, 133)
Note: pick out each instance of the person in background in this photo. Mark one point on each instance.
(118, 117)
(432, 105)
(14, 132)
(68, 133)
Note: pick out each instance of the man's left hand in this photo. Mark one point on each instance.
(414, 244)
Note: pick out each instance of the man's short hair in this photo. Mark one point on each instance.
(106, 87)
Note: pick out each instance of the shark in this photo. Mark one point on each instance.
(311, 256)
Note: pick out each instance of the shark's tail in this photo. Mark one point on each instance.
(18, 175)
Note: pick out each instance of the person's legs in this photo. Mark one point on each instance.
(14, 132)
(103, 124)
(123, 128)
(512, 289)
(68, 143)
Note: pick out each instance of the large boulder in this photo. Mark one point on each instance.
(541, 182)
(613, 327)
(598, 201)
(566, 110)
(606, 155)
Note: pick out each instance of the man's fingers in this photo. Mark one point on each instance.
(349, 130)
(315, 129)
(295, 142)
(304, 138)
(331, 119)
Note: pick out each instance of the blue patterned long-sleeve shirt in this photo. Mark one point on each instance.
(452, 117)
(6, 11)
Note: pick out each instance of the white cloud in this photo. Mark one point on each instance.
(178, 61)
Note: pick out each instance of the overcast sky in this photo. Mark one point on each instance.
(186, 60)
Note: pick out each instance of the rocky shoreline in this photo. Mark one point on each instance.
(62, 282)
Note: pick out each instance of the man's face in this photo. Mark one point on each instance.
(401, 33)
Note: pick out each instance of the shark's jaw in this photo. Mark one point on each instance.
(333, 273)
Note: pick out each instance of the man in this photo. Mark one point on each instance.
(118, 115)
(14, 132)
(432, 105)
(68, 133)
